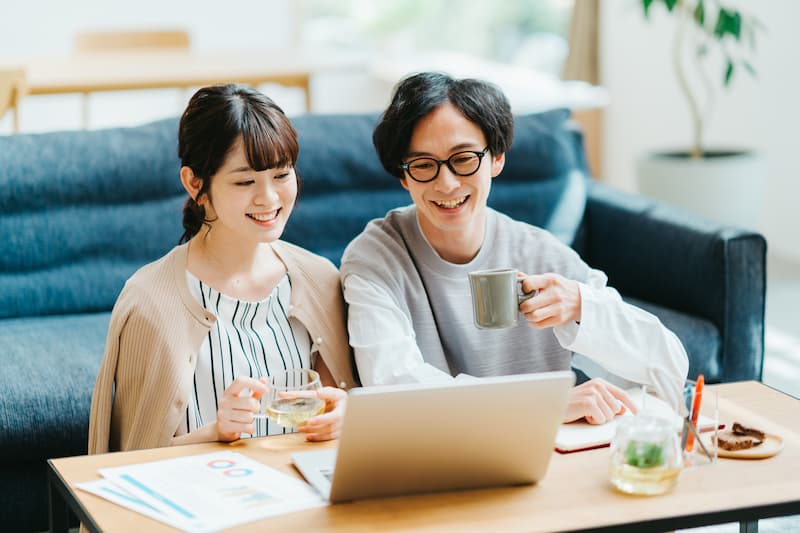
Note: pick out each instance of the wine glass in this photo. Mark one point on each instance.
(291, 397)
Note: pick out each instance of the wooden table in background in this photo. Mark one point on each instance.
(120, 70)
(575, 494)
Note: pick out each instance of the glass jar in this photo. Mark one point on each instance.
(646, 455)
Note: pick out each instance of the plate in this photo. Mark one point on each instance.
(771, 446)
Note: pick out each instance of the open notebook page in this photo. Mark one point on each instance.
(580, 435)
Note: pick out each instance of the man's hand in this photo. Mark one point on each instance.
(558, 301)
(598, 401)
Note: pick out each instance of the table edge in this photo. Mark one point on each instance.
(57, 482)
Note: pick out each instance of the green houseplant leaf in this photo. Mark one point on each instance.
(700, 13)
(705, 26)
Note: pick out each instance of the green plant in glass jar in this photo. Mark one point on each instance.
(645, 455)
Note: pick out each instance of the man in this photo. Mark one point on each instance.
(405, 277)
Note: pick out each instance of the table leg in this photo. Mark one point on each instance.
(748, 527)
(59, 511)
(306, 86)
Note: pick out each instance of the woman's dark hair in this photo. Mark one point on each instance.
(415, 96)
(214, 119)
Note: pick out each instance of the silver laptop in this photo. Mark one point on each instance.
(408, 439)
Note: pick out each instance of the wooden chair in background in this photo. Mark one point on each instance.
(12, 88)
(98, 41)
(89, 42)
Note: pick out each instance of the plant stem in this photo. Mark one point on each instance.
(710, 93)
(684, 17)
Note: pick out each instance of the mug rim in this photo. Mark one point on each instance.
(493, 271)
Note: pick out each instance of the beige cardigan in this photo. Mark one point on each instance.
(157, 328)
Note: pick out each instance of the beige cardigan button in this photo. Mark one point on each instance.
(318, 341)
(342, 384)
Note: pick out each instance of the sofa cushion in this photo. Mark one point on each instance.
(545, 145)
(48, 368)
(548, 151)
(86, 257)
(111, 166)
(81, 211)
(336, 154)
(699, 336)
(326, 224)
(556, 204)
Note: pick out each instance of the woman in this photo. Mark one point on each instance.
(194, 335)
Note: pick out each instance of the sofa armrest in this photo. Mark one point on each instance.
(660, 254)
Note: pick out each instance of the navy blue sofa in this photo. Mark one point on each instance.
(80, 211)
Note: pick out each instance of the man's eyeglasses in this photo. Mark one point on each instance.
(425, 169)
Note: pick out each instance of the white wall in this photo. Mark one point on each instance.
(647, 111)
(48, 27)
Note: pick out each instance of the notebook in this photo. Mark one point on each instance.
(580, 436)
(415, 438)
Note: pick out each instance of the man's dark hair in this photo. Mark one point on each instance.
(417, 95)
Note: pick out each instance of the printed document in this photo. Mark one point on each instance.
(204, 492)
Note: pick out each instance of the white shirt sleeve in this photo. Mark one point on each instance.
(626, 341)
(382, 337)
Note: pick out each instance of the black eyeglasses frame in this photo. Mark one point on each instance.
(440, 162)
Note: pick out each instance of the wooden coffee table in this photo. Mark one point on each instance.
(574, 496)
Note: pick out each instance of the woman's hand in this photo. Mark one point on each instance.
(236, 409)
(558, 301)
(598, 401)
(328, 425)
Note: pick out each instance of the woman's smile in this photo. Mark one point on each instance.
(265, 218)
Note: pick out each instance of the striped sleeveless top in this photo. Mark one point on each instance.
(249, 338)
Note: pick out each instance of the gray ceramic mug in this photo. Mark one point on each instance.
(496, 296)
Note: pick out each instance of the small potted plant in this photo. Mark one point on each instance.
(713, 45)
(646, 458)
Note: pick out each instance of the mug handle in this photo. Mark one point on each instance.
(522, 295)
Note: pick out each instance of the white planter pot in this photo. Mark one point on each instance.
(727, 187)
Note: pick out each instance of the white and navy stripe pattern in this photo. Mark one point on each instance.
(249, 338)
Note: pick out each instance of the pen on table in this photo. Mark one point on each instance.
(698, 398)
